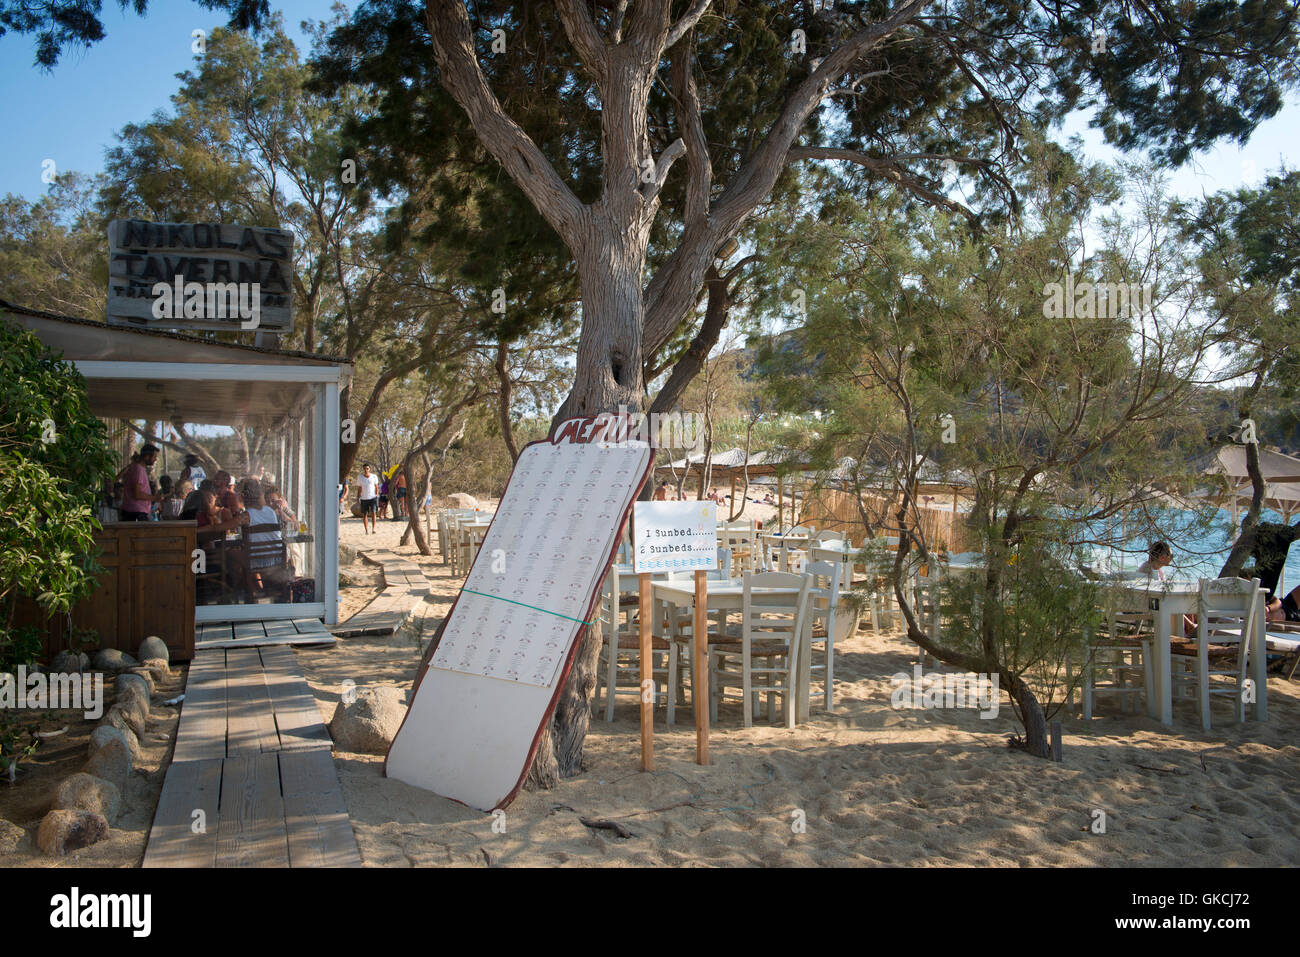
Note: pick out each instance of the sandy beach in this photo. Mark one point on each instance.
(872, 784)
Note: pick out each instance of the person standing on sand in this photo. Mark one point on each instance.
(399, 500)
(368, 497)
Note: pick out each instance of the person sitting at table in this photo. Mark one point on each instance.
(1286, 608)
(227, 497)
(214, 522)
(259, 513)
(276, 501)
(1159, 557)
(170, 510)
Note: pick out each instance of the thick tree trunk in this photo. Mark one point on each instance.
(608, 375)
(1245, 542)
(413, 526)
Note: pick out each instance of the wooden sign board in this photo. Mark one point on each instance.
(491, 678)
(675, 536)
(204, 263)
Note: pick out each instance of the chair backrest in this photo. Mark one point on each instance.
(775, 617)
(827, 535)
(1226, 615)
(824, 591)
(269, 548)
(841, 557)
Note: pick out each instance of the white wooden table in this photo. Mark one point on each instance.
(722, 599)
(1171, 600)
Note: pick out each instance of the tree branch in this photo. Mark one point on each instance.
(453, 47)
(582, 33)
(671, 292)
(687, 22)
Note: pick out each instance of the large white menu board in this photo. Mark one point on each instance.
(490, 682)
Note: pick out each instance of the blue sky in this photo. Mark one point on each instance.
(73, 114)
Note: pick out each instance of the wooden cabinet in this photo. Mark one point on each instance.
(146, 588)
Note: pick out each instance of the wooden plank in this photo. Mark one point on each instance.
(297, 718)
(252, 831)
(316, 819)
(179, 837)
(250, 722)
(215, 630)
(295, 639)
(201, 730)
(309, 626)
(250, 629)
(279, 628)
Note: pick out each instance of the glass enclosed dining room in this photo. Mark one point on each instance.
(240, 445)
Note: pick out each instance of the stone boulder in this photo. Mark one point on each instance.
(127, 681)
(68, 829)
(85, 792)
(463, 500)
(126, 720)
(347, 554)
(144, 674)
(107, 732)
(153, 647)
(369, 722)
(11, 835)
(112, 660)
(112, 762)
(69, 663)
(158, 668)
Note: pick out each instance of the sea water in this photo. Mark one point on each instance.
(1199, 552)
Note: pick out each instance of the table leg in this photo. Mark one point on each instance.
(1259, 662)
(804, 665)
(1162, 701)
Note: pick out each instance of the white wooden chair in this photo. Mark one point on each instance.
(741, 539)
(444, 538)
(1216, 663)
(927, 594)
(767, 648)
(1119, 662)
(823, 606)
(619, 671)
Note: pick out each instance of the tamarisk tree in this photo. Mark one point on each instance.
(648, 133)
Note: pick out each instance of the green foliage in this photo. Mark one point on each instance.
(53, 252)
(53, 459)
(60, 24)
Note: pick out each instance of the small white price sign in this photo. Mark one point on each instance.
(675, 536)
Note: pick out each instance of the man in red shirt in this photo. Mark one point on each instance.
(137, 497)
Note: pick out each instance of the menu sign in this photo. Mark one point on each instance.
(674, 536)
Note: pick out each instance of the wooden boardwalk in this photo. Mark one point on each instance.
(252, 780)
(248, 634)
(404, 588)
